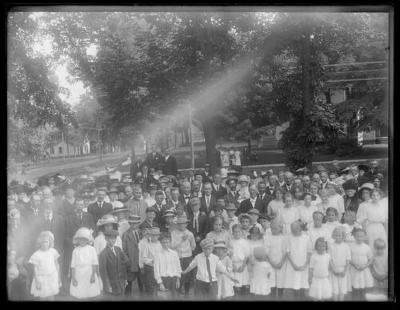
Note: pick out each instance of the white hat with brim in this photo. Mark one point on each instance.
(220, 245)
(368, 186)
(182, 220)
(107, 219)
(207, 243)
(83, 233)
(243, 178)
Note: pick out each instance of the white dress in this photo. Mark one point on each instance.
(287, 216)
(315, 233)
(83, 258)
(277, 248)
(275, 206)
(100, 243)
(46, 273)
(260, 278)
(298, 247)
(330, 226)
(306, 214)
(340, 254)
(360, 253)
(225, 284)
(374, 215)
(320, 287)
(240, 251)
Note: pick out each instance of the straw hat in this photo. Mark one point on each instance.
(119, 207)
(253, 211)
(220, 244)
(135, 219)
(207, 243)
(169, 213)
(368, 186)
(243, 178)
(182, 220)
(113, 190)
(230, 206)
(155, 231)
(107, 219)
(244, 215)
(83, 233)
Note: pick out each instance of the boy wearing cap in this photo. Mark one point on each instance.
(168, 223)
(254, 215)
(167, 267)
(150, 250)
(183, 242)
(208, 265)
(121, 212)
(130, 245)
(112, 266)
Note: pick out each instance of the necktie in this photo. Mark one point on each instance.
(100, 204)
(196, 224)
(136, 236)
(208, 201)
(113, 250)
(208, 269)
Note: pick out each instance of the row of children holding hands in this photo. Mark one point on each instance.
(250, 260)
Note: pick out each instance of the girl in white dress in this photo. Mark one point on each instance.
(306, 210)
(299, 251)
(320, 286)
(261, 273)
(317, 229)
(276, 204)
(332, 220)
(239, 252)
(298, 197)
(225, 284)
(276, 250)
(361, 259)
(373, 216)
(349, 224)
(255, 239)
(46, 270)
(379, 268)
(85, 279)
(288, 214)
(340, 260)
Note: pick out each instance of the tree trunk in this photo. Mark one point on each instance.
(249, 146)
(306, 76)
(211, 142)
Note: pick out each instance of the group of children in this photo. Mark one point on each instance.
(305, 245)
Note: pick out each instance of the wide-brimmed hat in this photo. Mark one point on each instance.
(135, 219)
(253, 211)
(154, 231)
(264, 216)
(230, 206)
(220, 244)
(169, 213)
(207, 243)
(367, 186)
(350, 184)
(119, 207)
(113, 190)
(244, 215)
(182, 220)
(107, 219)
(83, 233)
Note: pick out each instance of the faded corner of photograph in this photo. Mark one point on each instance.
(199, 154)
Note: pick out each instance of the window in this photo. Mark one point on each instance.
(60, 150)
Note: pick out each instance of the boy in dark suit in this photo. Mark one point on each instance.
(130, 246)
(99, 208)
(198, 223)
(112, 266)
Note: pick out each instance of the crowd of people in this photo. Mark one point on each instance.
(320, 235)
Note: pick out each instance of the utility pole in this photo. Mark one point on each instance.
(306, 73)
(191, 136)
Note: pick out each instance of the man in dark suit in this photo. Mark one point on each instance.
(217, 189)
(135, 168)
(154, 159)
(232, 194)
(252, 202)
(207, 174)
(265, 196)
(197, 223)
(169, 163)
(158, 207)
(174, 200)
(68, 203)
(185, 196)
(99, 208)
(208, 201)
(32, 211)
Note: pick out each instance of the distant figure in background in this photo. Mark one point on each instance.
(169, 163)
(135, 168)
(154, 159)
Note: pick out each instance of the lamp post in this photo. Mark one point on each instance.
(191, 135)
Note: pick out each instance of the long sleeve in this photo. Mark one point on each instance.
(193, 263)
(192, 241)
(340, 204)
(157, 269)
(361, 213)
